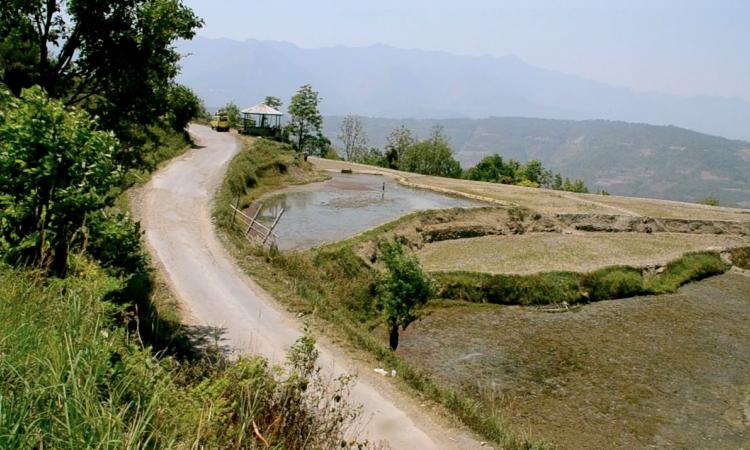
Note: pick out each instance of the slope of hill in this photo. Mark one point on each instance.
(382, 81)
(622, 158)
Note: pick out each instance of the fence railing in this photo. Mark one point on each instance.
(253, 230)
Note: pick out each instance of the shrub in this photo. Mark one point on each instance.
(613, 282)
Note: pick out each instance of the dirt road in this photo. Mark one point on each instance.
(175, 212)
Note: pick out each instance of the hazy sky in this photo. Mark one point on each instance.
(686, 47)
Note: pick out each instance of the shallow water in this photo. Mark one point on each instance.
(345, 205)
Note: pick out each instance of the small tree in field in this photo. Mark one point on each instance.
(306, 121)
(233, 114)
(352, 135)
(404, 288)
(55, 169)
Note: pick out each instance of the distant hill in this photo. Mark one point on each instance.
(623, 158)
(382, 81)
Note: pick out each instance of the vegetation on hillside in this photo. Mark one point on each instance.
(623, 158)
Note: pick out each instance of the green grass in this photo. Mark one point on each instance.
(263, 165)
(573, 287)
(72, 376)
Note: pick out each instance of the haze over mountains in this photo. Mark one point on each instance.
(382, 81)
(467, 94)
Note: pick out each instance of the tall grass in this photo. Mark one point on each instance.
(71, 376)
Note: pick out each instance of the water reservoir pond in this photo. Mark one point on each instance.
(345, 205)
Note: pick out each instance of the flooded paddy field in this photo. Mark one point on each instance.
(345, 205)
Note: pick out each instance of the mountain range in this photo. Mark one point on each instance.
(469, 94)
(382, 81)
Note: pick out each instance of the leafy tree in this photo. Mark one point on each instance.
(432, 156)
(183, 105)
(557, 183)
(404, 288)
(353, 137)
(491, 168)
(117, 59)
(306, 122)
(273, 102)
(396, 145)
(56, 168)
(374, 157)
(233, 114)
(532, 171)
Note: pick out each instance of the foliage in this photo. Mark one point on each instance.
(305, 120)
(183, 105)
(114, 240)
(532, 174)
(117, 59)
(710, 201)
(431, 156)
(353, 137)
(72, 377)
(56, 168)
(404, 288)
(572, 287)
(273, 102)
(233, 114)
(397, 142)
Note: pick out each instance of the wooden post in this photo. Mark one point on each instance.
(236, 207)
(275, 222)
(252, 220)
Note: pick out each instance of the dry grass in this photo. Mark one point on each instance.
(670, 371)
(544, 252)
(553, 202)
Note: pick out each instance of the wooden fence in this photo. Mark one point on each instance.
(253, 230)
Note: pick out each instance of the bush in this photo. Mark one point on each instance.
(114, 241)
(613, 282)
(572, 287)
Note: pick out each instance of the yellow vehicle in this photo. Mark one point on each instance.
(220, 122)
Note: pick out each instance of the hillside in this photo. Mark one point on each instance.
(382, 81)
(622, 158)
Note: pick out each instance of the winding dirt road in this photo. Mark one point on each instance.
(175, 212)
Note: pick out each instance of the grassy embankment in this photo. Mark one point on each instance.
(337, 289)
(100, 359)
(72, 376)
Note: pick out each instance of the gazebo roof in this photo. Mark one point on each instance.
(263, 109)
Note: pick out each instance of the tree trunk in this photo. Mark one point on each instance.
(60, 256)
(393, 338)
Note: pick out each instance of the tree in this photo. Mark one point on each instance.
(353, 137)
(432, 156)
(557, 184)
(306, 121)
(273, 102)
(116, 59)
(404, 288)
(532, 171)
(233, 114)
(490, 168)
(396, 145)
(56, 168)
(183, 105)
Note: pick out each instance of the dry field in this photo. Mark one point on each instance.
(671, 371)
(535, 252)
(552, 202)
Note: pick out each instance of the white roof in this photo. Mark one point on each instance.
(262, 108)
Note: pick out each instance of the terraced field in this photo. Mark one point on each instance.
(582, 252)
(670, 371)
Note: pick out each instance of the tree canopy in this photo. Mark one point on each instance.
(56, 167)
(431, 156)
(306, 122)
(117, 59)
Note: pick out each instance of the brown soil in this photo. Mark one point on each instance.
(671, 371)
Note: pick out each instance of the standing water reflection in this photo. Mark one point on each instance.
(345, 205)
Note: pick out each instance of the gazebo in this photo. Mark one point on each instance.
(261, 120)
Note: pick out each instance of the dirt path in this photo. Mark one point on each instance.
(175, 212)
